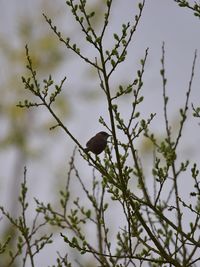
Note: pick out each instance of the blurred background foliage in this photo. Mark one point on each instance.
(24, 135)
(19, 126)
(46, 55)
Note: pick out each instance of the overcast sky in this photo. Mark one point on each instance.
(162, 20)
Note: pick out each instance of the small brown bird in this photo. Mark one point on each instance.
(97, 143)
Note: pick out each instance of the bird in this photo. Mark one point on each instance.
(97, 143)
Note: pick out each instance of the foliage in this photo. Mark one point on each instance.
(154, 229)
(195, 7)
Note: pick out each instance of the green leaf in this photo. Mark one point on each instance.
(116, 37)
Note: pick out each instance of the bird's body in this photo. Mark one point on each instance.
(97, 143)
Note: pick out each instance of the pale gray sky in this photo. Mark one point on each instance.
(162, 20)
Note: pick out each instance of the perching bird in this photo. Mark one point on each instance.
(97, 143)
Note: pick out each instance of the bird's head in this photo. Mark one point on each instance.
(104, 135)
